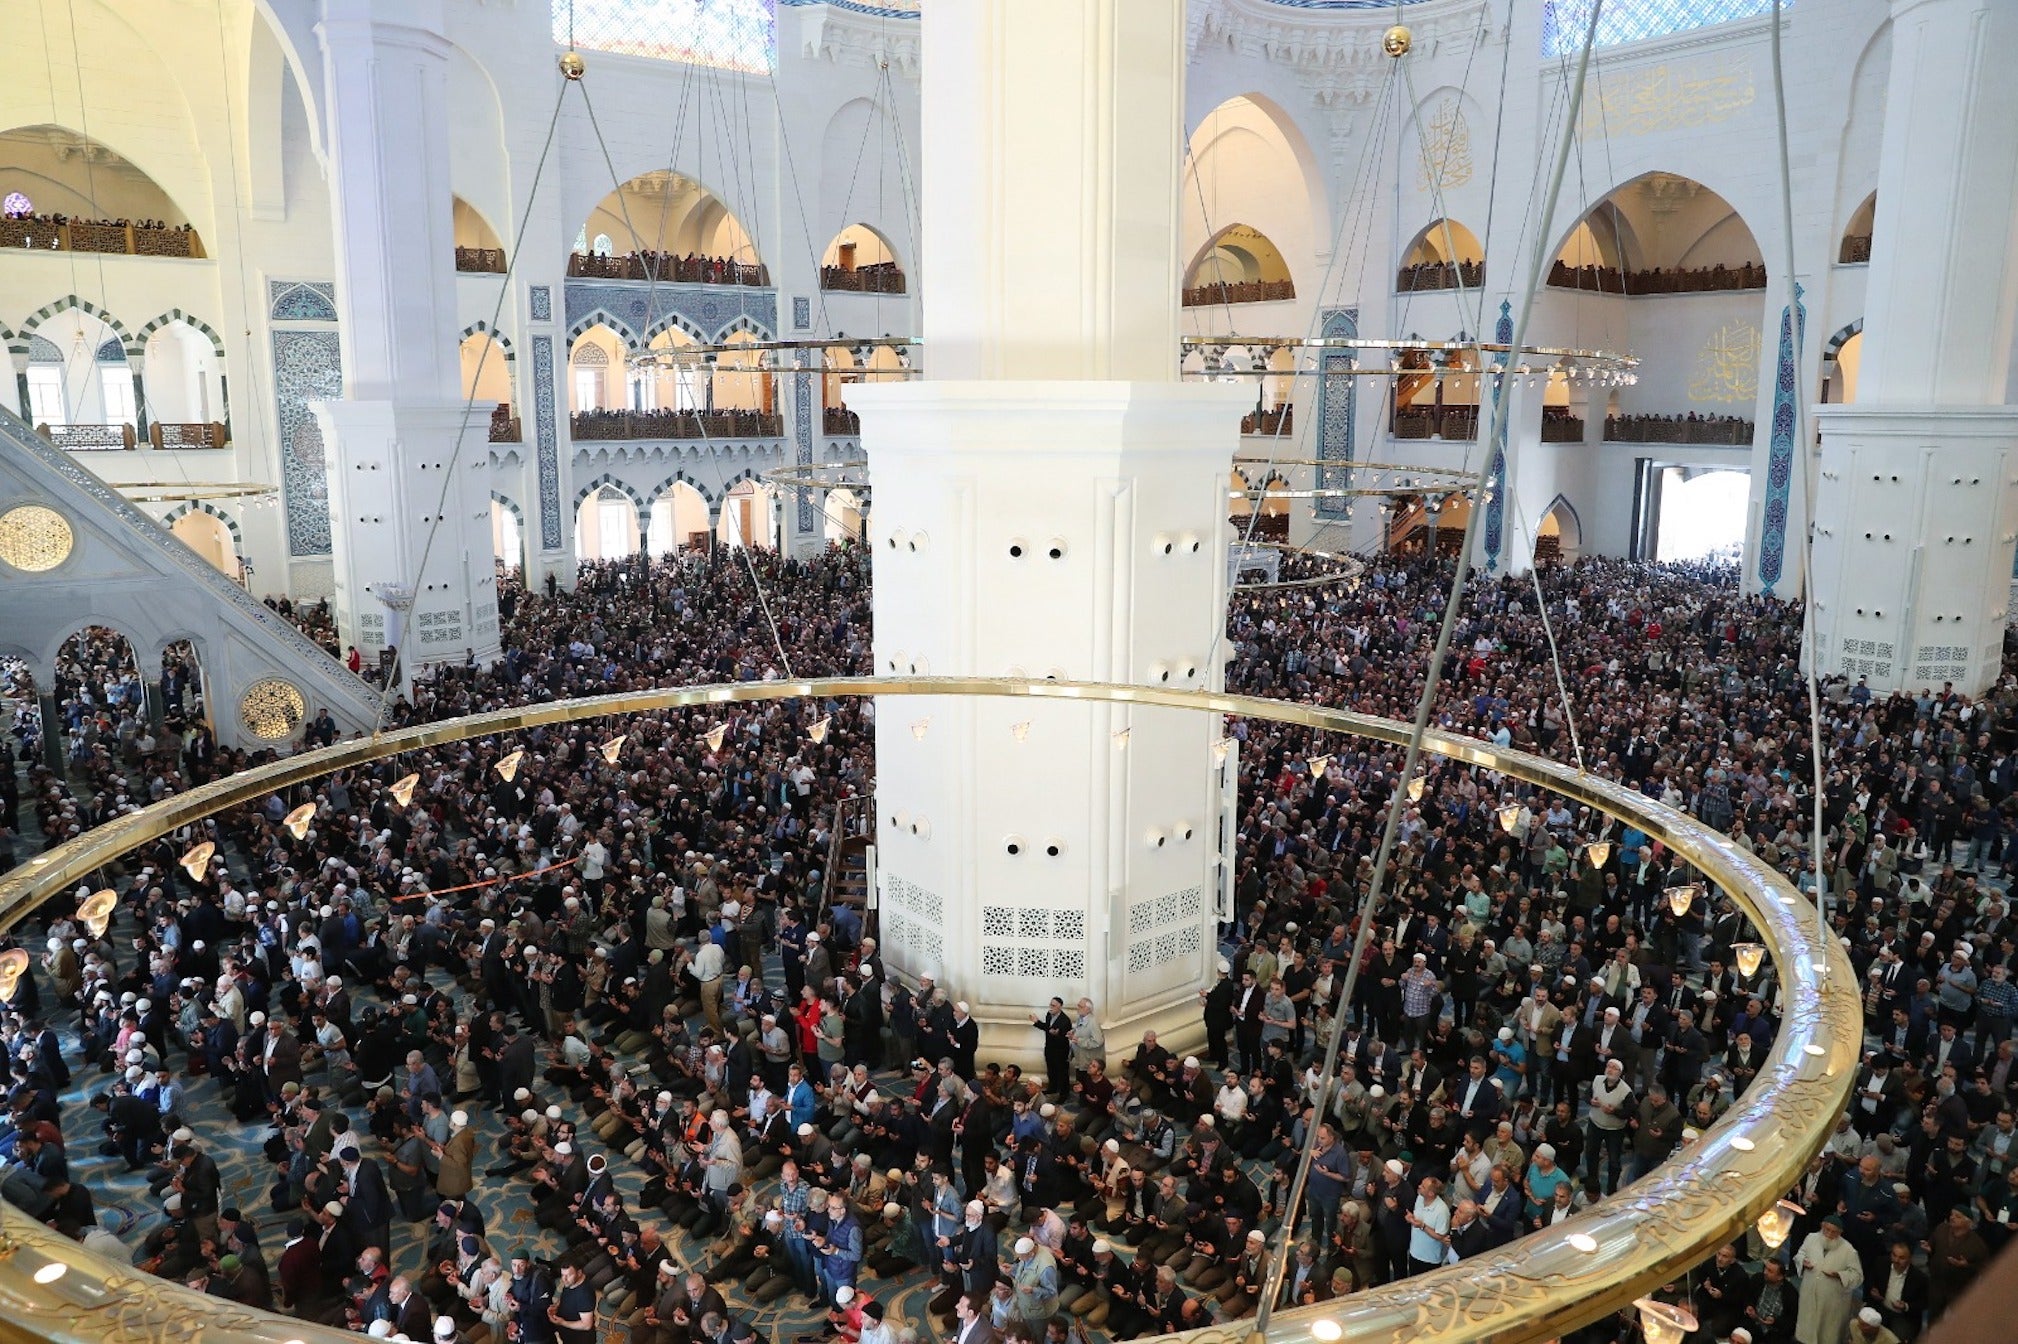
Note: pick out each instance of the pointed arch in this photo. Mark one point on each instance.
(1658, 221)
(504, 342)
(637, 500)
(1569, 525)
(1238, 254)
(71, 301)
(743, 323)
(675, 322)
(174, 315)
(680, 478)
(188, 507)
(603, 317)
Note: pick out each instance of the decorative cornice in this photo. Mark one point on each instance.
(1334, 51)
(846, 36)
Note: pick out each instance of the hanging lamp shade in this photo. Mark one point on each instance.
(715, 736)
(1509, 817)
(1599, 852)
(1777, 1223)
(402, 788)
(817, 729)
(1318, 765)
(96, 910)
(1664, 1322)
(1416, 786)
(13, 965)
(299, 820)
(614, 748)
(197, 861)
(1750, 956)
(508, 768)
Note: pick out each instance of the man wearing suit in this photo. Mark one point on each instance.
(279, 1058)
(970, 1323)
(368, 1210)
(1948, 1047)
(1476, 1099)
(976, 1254)
(1898, 1292)
(1647, 1025)
(1057, 1029)
(1540, 1021)
(1247, 1005)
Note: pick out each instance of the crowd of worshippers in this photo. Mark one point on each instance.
(1532, 1027)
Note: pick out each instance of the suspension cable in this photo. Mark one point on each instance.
(1425, 704)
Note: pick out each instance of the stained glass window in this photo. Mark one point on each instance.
(726, 34)
(1564, 21)
(16, 204)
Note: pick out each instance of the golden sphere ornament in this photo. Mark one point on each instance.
(1396, 41)
(572, 64)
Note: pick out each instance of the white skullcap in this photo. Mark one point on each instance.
(530, 1116)
(563, 1148)
(1191, 1061)
(136, 1057)
(1114, 1145)
(1024, 1245)
(134, 1073)
(976, 1209)
(183, 1135)
(333, 1209)
(522, 1094)
(1506, 1033)
(771, 1219)
(1047, 1110)
(460, 1119)
(444, 1327)
(962, 1008)
(1101, 1247)
(379, 1329)
(553, 1112)
(1870, 1317)
(814, 938)
(805, 1131)
(1395, 1167)
(1257, 1235)
(1376, 1092)
(844, 1295)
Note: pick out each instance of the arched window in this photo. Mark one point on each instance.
(16, 205)
(604, 247)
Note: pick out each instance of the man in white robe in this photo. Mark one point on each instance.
(1832, 1277)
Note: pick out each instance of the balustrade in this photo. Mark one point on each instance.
(1245, 291)
(101, 236)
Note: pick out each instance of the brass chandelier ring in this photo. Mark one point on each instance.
(1536, 1288)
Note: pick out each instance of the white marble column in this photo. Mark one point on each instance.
(1917, 502)
(1051, 502)
(395, 476)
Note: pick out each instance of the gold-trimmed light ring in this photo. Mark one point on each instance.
(1344, 567)
(1627, 1244)
(819, 476)
(176, 492)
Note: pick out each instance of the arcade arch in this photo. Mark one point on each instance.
(669, 213)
